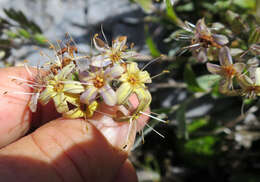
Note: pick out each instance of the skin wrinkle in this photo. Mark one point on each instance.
(98, 172)
(46, 154)
(68, 156)
(85, 152)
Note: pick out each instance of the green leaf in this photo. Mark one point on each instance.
(186, 7)
(235, 22)
(11, 34)
(190, 79)
(147, 5)
(254, 37)
(201, 146)
(197, 124)
(23, 33)
(181, 118)
(151, 45)
(39, 38)
(222, 4)
(21, 19)
(247, 4)
(171, 14)
(206, 82)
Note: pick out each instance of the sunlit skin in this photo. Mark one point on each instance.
(52, 151)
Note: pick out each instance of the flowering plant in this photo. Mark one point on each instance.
(107, 78)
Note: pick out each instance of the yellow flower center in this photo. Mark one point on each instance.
(132, 79)
(98, 82)
(58, 87)
(115, 56)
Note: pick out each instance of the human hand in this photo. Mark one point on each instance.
(60, 149)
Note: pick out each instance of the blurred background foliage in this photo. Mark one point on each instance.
(207, 137)
(15, 31)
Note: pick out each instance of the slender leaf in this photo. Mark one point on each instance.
(151, 45)
(147, 5)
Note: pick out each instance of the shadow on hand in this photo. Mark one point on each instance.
(93, 160)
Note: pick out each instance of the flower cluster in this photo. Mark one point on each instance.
(202, 39)
(77, 89)
(245, 74)
(109, 78)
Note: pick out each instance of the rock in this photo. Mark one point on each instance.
(81, 18)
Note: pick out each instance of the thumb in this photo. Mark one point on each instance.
(62, 150)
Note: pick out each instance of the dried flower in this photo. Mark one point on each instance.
(202, 38)
(226, 69)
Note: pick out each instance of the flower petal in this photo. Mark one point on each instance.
(73, 114)
(33, 101)
(131, 134)
(239, 67)
(202, 55)
(220, 39)
(65, 71)
(244, 81)
(131, 54)
(132, 67)
(114, 71)
(144, 77)
(144, 98)
(74, 87)
(214, 68)
(225, 58)
(46, 95)
(201, 28)
(99, 44)
(60, 103)
(73, 99)
(257, 76)
(252, 64)
(91, 109)
(123, 92)
(89, 95)
(119, 43)
(108, 94)
(100, 61)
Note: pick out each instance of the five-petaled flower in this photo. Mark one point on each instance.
(115, 54)
(99, 82)
(203, 38)
(250, 85)
(61, 89)
(226, 69)
(133, 81)
(81, 110)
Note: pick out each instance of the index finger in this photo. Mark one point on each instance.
(15, 95)
(14, 111)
